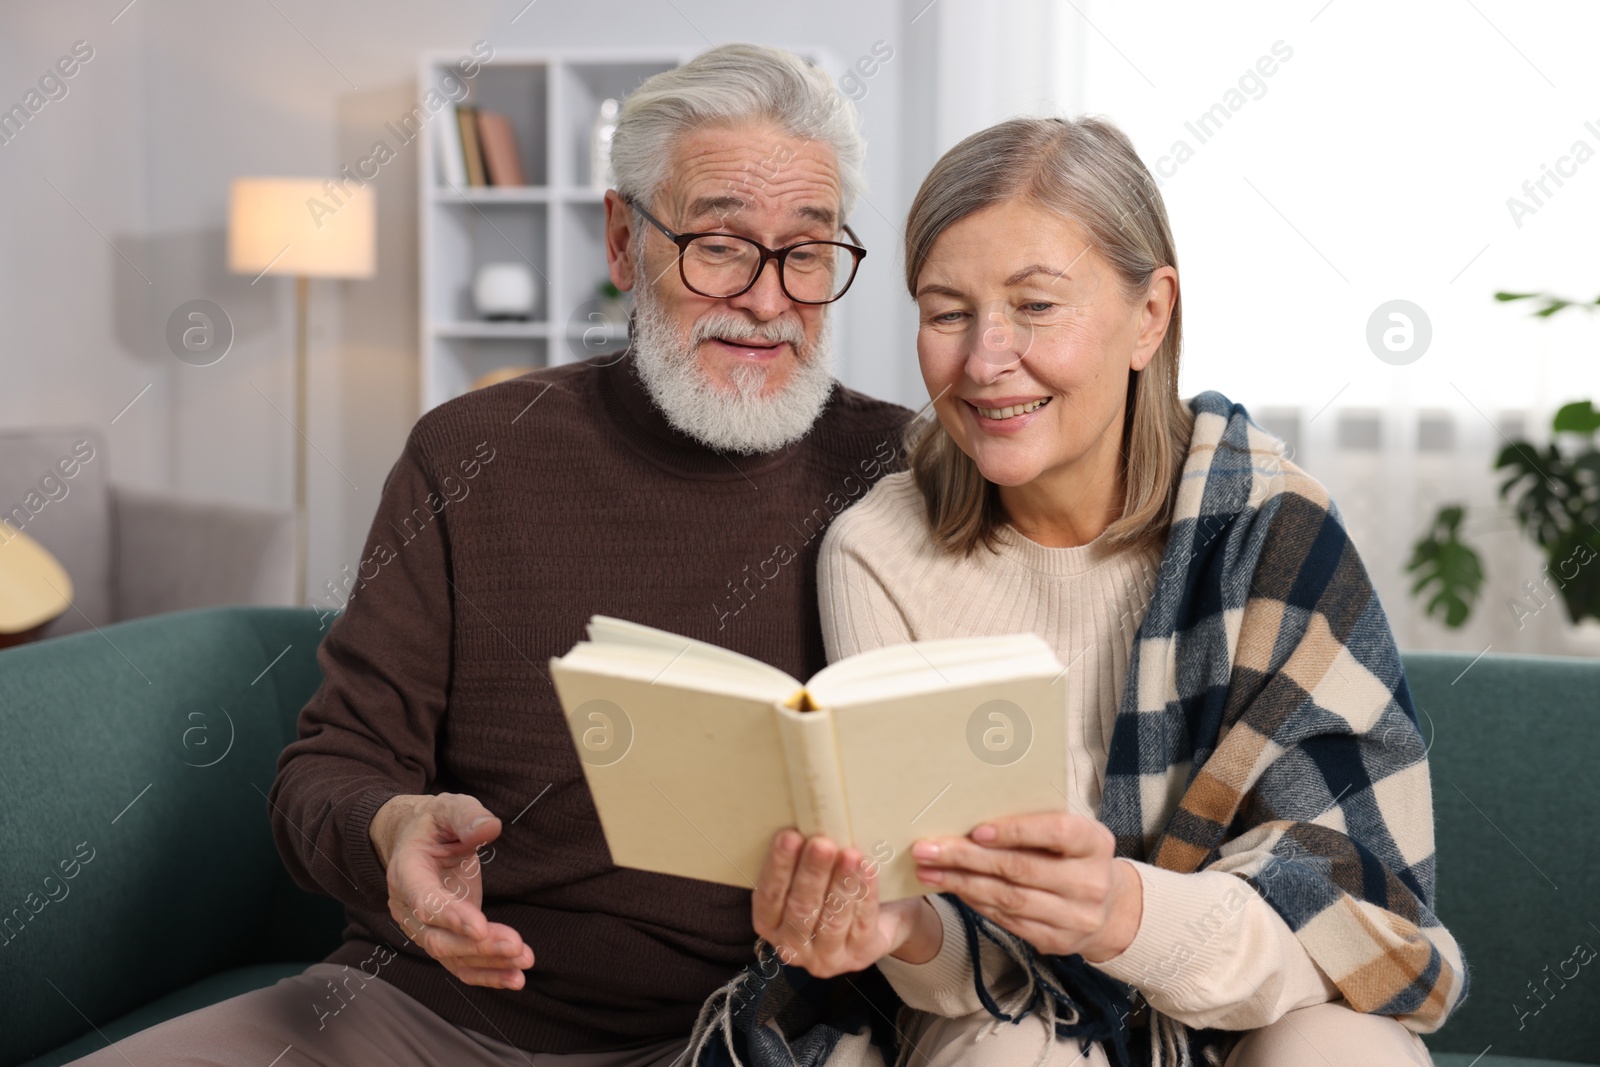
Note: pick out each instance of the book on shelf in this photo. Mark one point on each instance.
(452, 161)
(499, 142)
(471, 151)
(696, 756)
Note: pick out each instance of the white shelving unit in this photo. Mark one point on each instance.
(555, 224)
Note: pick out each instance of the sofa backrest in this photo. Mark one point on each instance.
(1516, 792)
(54, 488)
(138, 856)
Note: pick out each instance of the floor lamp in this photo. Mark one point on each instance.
(305, 228)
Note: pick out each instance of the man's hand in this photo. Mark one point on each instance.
(1051, 878)
(429, 847)
(818, 907)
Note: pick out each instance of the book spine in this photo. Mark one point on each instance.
(816, 782)
(468, 117)
(499, 142)
(452, 163)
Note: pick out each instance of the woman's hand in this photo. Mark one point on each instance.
(818, 907)
(1050, 878)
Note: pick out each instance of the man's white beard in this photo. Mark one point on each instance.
(737, 419)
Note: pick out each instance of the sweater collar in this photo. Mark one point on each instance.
(1016, 546)
(629, 406)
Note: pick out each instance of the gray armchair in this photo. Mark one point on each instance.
(135, 552)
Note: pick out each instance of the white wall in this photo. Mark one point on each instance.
(71, 209)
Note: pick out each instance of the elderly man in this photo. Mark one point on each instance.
(683, 484)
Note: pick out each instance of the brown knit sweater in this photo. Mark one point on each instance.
(513, 514)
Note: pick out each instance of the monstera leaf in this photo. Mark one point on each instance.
(1579, 416)
(1574, 569)
(1546, 488)
(1452, 568)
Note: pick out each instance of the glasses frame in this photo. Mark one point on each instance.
(781, 255)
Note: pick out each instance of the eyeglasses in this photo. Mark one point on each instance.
(722, 265)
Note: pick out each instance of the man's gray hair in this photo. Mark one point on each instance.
(730, 85)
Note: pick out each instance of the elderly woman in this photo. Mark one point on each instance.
(1243, 871)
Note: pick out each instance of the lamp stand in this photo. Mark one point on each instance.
(302, 294)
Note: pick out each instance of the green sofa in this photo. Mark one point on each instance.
(140, 881)
(148, 747)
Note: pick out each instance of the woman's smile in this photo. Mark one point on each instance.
(1005, 415)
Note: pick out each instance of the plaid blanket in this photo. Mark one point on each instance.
(1265, 730)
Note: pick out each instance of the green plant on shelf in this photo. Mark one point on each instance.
(1554, 493)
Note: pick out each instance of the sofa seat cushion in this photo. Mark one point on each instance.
(210, 990)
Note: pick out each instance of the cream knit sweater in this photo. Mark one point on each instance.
(1210, 952)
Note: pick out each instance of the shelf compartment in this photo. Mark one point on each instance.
(469, 235)
(521, 92)
(584, 85)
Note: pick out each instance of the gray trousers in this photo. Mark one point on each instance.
(275, 1027)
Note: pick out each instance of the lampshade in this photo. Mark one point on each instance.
(34, 588)
(302, 226)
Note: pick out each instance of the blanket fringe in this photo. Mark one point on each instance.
(1077, 1011)
(1041, 985)
(1169, 1044)
(716, 1013)
(1014, 1004)
(902, 1023)
(1169, 1039)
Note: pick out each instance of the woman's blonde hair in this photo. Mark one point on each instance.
(1087, 170)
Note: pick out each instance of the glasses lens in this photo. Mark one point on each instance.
(818, 270)
(718, 265)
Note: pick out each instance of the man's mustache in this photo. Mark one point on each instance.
(721, 324)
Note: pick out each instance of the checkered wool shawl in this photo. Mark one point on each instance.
(1265, 730)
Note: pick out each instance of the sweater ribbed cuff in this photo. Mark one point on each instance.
(1183, 931)
(944, 984)
(366, 871)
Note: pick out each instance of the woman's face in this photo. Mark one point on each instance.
(1026, 338)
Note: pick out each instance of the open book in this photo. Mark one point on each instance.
(697, 756)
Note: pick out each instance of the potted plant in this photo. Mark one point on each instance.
(1554, 494)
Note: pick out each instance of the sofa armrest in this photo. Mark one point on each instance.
(171, 552)
(134, 829)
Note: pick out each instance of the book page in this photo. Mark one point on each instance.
(977, 731)
(608, 633)
(683, 759)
